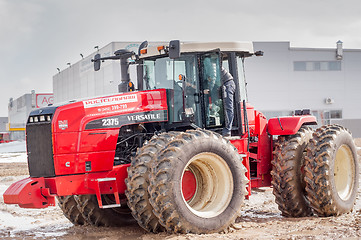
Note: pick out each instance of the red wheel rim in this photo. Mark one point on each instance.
(189, 185)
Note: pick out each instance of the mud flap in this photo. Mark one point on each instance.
(29, 193)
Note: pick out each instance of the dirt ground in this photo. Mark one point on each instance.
(260, 220)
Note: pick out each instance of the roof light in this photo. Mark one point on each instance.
(160, 48)
(31, 119)
(143, 51)
(36, 119)
(48, 118)
(42, 118)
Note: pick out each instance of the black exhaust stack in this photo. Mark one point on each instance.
(124, 56)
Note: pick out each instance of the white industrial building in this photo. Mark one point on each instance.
(3, 124)
(325, 80)
(81, 81)
(20, 108)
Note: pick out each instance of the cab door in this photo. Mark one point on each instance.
(186, 70)
(213, 113)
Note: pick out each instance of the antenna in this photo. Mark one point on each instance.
(339, 50)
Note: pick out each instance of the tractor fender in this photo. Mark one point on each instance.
(289, 125)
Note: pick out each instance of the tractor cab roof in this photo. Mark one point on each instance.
(245, 48)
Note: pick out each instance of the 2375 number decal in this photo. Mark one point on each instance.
(110, 122)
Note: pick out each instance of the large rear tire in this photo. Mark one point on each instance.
(287, 173)
(331, 171)
(138, 182)
(70, 210)
(211, 198)
(103, 217)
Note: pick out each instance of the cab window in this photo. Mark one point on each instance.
(213, 103)
(175, 75)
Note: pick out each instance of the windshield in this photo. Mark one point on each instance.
(174, 74)
(164, 72)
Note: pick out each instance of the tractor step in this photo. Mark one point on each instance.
(111, 206)
(233, 138)
(99, 194)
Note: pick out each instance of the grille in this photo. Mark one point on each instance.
(40, 149)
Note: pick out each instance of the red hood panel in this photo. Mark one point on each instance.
(73, 117)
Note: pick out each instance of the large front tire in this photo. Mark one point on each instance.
(287, 173)
(103, 217)
(210, 198)
(331, 171)
(138, 182)
(70, 210)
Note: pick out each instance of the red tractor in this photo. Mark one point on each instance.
(156, 154)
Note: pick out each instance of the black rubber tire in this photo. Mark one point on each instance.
(322, 166)
(166, 191)
(70, 210)
(287, 173)
(102, 217)
(138, 182)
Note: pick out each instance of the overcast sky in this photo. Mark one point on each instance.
(38, 36)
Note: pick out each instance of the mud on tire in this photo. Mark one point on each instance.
(138, 182)
(70, 210)
(220, 183)
(287, 173)
(103, 217)
(331, 171)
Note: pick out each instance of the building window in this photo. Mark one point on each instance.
(335, 114)
(317, 66)
(324, 117)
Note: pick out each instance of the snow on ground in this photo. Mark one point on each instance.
(39, 223)
(13, 152)
(13, 147)
(13, 157)
(48, 222)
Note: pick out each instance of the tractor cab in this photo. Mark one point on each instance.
(191, 73)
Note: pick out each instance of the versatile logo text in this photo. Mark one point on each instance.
(150, 116)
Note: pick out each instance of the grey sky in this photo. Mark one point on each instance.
(37, 36)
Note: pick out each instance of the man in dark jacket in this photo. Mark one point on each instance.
(229, 89)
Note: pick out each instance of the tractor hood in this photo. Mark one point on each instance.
(71, 138)
(112, 111)
(105, 112)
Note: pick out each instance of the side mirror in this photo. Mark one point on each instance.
(259, 53)
(174, 49)
(97, 62)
